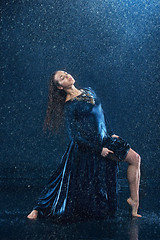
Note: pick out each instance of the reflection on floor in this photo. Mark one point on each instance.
(16, 203)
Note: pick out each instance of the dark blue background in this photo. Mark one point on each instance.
(112, 46)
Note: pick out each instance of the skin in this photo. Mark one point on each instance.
(66, 82)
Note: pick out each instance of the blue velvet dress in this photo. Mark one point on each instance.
(84, 185)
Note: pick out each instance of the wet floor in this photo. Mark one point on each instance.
(17, 202)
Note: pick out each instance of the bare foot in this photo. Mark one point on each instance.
(134, 207)
(33, 215)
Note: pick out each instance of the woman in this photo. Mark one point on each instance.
(84, 185)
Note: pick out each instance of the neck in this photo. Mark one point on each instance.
(72, 92)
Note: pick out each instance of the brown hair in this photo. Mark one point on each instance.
(55, 108)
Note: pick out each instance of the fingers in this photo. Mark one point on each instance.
(104, 154)
(107, 153)
(110, 151)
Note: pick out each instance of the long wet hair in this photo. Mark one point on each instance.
(55, 108)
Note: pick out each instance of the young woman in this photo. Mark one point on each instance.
(84, 185)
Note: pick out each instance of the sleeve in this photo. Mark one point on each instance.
(85, 140)
(83, 131)
(118, 145)
(108, 125)
(106, 119)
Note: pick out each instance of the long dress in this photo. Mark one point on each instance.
(85, 184)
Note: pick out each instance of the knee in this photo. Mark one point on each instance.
(137, 160)
(133, 158)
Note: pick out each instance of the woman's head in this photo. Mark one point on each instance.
(59, 82)
(63, 80)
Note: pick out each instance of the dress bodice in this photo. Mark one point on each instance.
(85, 119)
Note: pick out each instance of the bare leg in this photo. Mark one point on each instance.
(133, 175)
(33, 215)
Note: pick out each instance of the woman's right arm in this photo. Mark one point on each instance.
(84, 135)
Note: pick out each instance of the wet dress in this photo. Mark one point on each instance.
(85, 184)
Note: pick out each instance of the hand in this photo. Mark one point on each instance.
(105, 152)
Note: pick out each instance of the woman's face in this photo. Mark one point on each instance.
(64, 80)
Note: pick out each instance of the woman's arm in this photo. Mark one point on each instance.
(84, 140)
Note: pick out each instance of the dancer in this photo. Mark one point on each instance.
(84, 185)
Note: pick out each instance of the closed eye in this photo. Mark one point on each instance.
(62, 77)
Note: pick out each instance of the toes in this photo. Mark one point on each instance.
(32, 215)
(136, 215)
